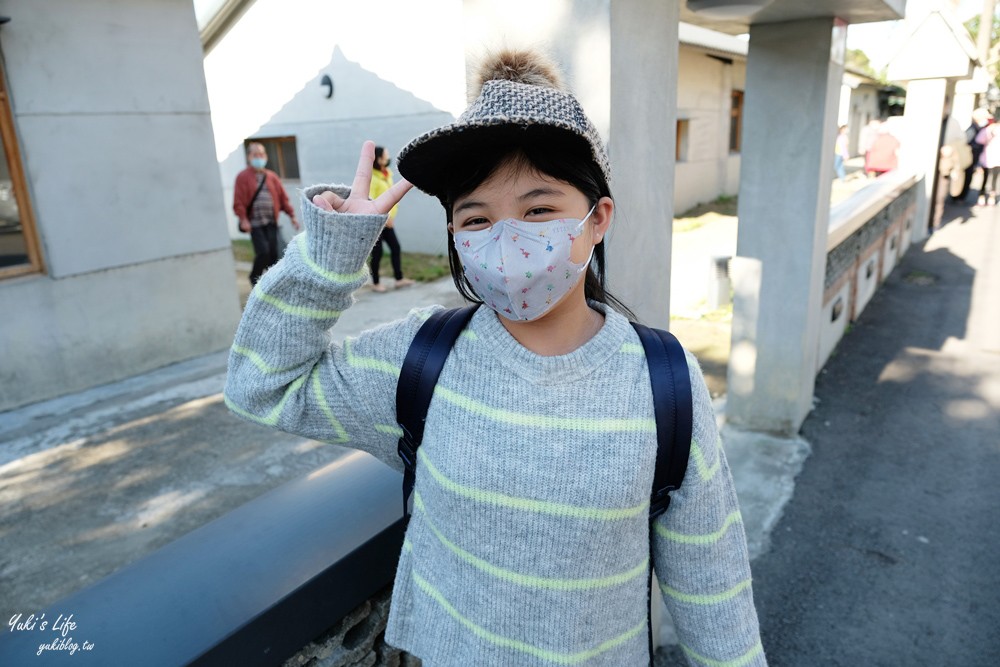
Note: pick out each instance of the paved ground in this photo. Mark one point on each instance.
(886, 555)
(892, 538)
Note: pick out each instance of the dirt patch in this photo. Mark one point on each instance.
(243, 286)
(707, 339)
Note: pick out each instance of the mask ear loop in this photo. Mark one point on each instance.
(586, 263)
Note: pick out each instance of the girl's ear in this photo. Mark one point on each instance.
(451, 227)
(601, 218)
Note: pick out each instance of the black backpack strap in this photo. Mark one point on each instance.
(417, 378)
(672, 404)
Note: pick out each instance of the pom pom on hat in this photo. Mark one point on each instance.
(518, 65)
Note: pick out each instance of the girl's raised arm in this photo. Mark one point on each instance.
(284, 371)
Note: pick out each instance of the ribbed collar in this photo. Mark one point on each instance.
(539, 369)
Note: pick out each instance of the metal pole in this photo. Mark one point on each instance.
(985, 31)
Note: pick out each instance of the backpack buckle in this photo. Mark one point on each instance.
(407, 452)
(659, 503)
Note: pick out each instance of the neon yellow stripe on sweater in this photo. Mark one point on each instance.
(705, 599)
(704, 471)
(389, 429)
(298, 311)
(708, 538)
(271, 418)
(528, 581)
(545, 421)
(735, 662)
(258, 360)
(340, 433)
(370, 363)
(338, 278)
(529, 504)
(524, 647)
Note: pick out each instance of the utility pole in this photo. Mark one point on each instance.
(985, 31)
(983, 44)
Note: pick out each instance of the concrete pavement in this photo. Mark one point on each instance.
(886, 553)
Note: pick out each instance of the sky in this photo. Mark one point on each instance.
(877, 40)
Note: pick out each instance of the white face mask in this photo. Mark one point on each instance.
(521, 269)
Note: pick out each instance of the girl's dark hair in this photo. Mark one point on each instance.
(379, 152)
(564, 158)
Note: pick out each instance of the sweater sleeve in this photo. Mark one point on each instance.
(285, 372)
(700, 552)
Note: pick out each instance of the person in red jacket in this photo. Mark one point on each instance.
(883, 156)
(258, 199)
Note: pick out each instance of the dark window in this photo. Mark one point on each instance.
(736, 122)
(282, 155)
(18, 243)
(683, 126)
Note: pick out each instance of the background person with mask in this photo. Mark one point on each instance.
(258, 199)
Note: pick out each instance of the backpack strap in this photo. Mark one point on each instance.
(672, 405)
(417, 378)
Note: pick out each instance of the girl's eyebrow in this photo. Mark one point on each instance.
(540, 192)
(537, 192)
(467, 204)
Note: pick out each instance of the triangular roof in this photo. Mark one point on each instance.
(938, 47)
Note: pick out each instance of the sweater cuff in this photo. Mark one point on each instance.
(339, 242)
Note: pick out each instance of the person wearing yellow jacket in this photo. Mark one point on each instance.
(382, 181)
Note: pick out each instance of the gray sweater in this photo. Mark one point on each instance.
(529, 542)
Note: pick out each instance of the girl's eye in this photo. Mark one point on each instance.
(474, 222)
(540, 210)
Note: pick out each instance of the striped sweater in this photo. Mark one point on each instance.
(529, 542)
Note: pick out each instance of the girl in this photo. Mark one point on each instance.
(381, 181)
(529, 542)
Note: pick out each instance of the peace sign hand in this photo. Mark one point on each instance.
(358, 202)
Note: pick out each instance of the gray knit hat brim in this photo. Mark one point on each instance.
(505, 113)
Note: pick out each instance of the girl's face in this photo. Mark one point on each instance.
(517, 190)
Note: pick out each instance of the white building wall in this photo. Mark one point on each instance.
(113, 122)
(391, 83)
(329, 133)
(706, 169)
(863, 108)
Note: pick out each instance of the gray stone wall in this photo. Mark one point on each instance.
(842, 258)
(357, 640)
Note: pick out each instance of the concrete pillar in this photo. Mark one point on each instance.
(921, 141)
(794, 72)
(642, 145)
